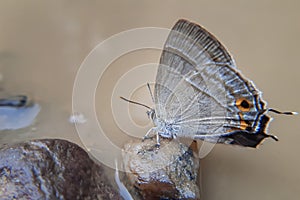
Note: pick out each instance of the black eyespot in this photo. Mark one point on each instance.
(245, 104)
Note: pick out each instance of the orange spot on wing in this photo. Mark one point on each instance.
(243, 104)
(243, 124)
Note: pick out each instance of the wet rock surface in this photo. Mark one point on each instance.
(166, 173)
(17, 112)
(51, 169)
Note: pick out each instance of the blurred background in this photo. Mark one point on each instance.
(42, 45)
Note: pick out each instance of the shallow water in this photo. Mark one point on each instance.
(42, 45)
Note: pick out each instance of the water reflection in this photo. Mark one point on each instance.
(16, 112)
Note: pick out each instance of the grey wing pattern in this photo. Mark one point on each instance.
(197, 84)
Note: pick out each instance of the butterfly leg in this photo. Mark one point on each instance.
(157, 145)
(149, 134)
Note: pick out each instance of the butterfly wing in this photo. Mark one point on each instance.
(199, 90)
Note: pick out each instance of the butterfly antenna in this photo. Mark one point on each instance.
(148, 85)
(284, 113)
(134, 102)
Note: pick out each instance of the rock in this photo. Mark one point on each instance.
(17, 112)
(52, 169)
(166, 173)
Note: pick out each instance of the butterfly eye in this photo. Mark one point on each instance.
(243, 104)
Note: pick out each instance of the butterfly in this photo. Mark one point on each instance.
(200, 94)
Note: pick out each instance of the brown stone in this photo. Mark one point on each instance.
(51, 169)
(166, 173)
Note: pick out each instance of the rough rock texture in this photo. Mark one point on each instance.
(51, 169)
(166, 173)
